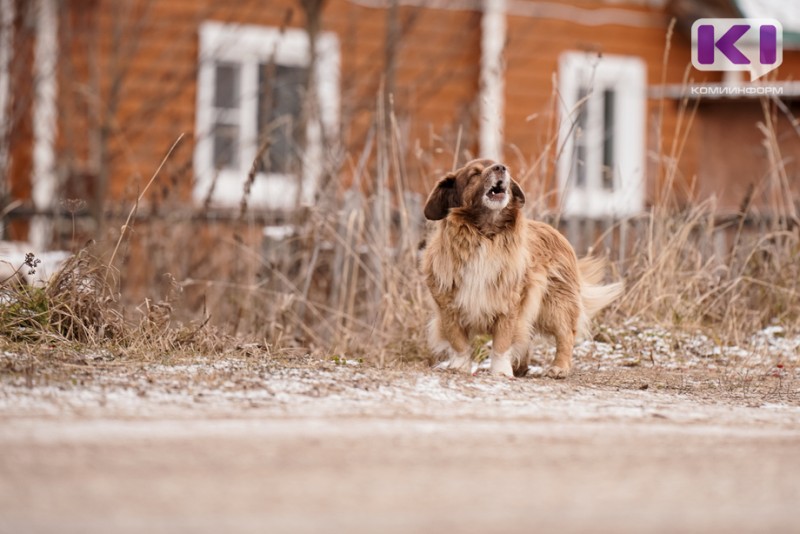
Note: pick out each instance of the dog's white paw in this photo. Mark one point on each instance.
(458, 362)
(462, 365)
(501, 364)
(443, 365)
(558, 373)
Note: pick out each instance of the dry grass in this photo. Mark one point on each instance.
(679, 281)
(80, 305)
(731, 275)
(345, 281)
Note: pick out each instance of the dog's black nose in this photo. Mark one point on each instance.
(499, 168)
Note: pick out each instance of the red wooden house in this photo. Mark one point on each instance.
(589, 101)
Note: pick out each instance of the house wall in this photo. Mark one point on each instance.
(725, 147)
(738, 165)
(134, 70)
(534, 45)
(20, 129)
(127, 83)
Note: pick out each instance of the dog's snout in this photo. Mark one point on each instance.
(499, 168)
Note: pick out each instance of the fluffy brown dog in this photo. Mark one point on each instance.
(492, 271)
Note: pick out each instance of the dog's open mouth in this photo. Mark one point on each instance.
(498, 192)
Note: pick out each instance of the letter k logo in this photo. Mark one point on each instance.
(726, 44)
(753, 45)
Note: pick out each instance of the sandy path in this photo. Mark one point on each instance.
(403, 452)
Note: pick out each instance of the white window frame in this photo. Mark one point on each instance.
(627, 77)
(248, 46)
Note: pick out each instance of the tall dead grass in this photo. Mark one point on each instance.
(342, 280)
(731, 274)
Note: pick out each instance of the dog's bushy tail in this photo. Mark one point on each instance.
(594, 295)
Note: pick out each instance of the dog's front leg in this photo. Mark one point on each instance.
(448, 336)
(502, 349)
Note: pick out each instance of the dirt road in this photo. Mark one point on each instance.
(218, 448)
(399, 475)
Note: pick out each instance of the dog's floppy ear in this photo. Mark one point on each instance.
(443, 197)
(516, 192)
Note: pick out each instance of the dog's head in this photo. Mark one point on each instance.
(482, 190)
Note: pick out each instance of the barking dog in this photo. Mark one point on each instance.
(492, 271)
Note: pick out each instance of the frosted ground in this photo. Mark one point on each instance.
(763, 370)
(655, 431)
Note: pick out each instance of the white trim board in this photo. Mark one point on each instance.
(492, 86)
(43, 179)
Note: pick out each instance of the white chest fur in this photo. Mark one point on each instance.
(489, 282)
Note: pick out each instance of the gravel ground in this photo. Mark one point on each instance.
(682, 436)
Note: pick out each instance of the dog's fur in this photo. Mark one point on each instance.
(492, 271)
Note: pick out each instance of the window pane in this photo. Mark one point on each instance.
(226, 146)
(280, 102)
(609, 103)
(226, 89)
(581, 139)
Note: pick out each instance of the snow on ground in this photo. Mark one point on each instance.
(769, 350)
(654, 431)
(664, 375)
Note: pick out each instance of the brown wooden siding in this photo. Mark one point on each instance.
(157, 57)
(20, 141)
(129, 69)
